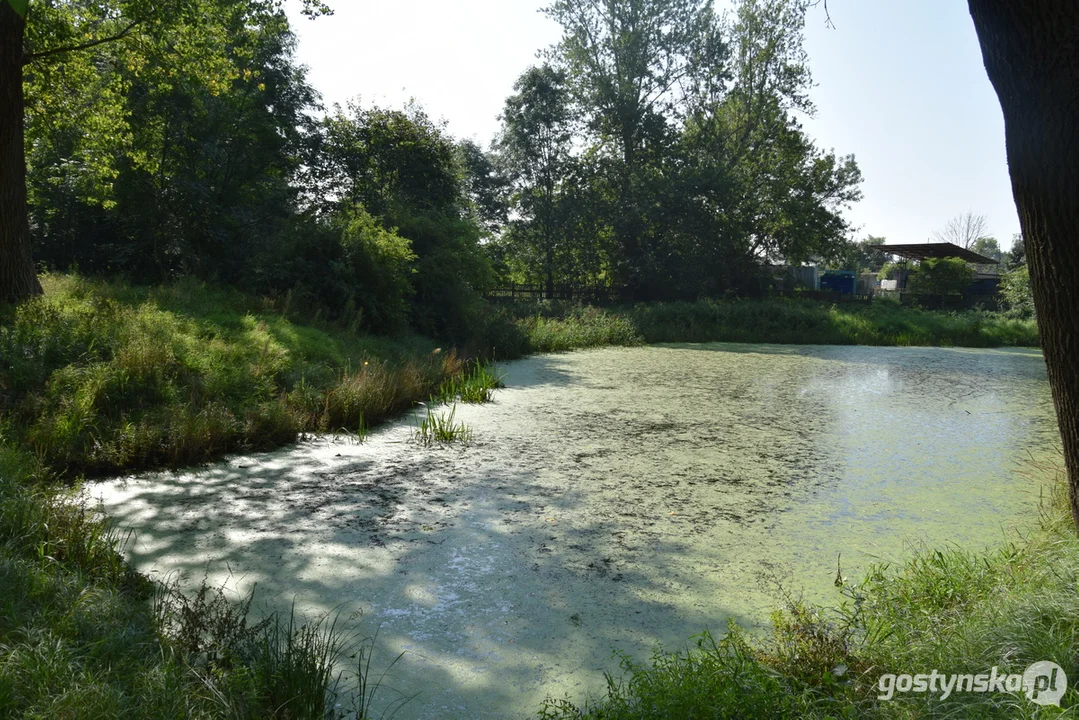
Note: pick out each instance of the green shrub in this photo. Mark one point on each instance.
(941, 276)
(1016, 293)
(380, 269)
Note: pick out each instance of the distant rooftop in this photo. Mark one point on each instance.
(923, 251)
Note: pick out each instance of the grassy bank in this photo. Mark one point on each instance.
(100, 378)
(553, 327)
(949, 610)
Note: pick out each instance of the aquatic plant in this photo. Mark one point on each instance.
(441, 429)
(475, 386)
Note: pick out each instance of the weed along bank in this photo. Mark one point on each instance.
(609, 500)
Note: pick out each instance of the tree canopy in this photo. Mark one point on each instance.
(656, 152)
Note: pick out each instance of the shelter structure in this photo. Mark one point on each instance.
(925, 251)
(984, 283)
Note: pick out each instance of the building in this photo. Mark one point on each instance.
(984, 283)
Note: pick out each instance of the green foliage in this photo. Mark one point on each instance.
(693, 167)
(861, 256)
(1017, 256)
(170, 151)
(277, 664)
(535, 147)
(553, 327)
(579, 328)
(485, 187)
(720, 678)
(1016, 293)
(380, 265)
(403, 169)
(107, 378)
(987, 247)
(941, 276)
(475, 386)
(19, 6)
(893, 270)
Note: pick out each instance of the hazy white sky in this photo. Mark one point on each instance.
(900, 85)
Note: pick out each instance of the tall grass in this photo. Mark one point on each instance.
(441, 429)
(949, 610)
(555, 327)
(100, 378)
(474, 386)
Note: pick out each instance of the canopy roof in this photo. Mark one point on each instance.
(922, 251)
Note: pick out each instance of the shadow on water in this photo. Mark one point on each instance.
(494, 598)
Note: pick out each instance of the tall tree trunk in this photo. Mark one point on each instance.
(18, 280)
(1031, 52)
(550, 270)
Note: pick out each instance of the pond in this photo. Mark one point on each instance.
(612, 499)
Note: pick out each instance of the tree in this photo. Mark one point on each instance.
(987, 247)
(152, 170)
(632, 65)
(963, 230)
(861, 256)
(1017, 256)
(941, 276)
(484, 186)
(18, 280)
(404, 169)
(781, 198)
(535, 148)
(33, 32)
(1032, 59)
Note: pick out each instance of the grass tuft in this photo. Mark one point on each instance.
(475, 386)
(441, 429)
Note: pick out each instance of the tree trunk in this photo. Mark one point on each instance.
(1031, 52)
(550, 271)
(18, 280)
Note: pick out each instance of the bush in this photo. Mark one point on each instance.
(1016, 293)
(380, 266)
(941, 276)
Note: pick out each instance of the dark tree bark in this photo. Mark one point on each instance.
(18, 280)
(1031, 52)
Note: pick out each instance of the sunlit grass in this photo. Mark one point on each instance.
(102, 378)
(556, 327)
(474, 386)
(440, 428)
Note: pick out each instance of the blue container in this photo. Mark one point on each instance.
(840, 281)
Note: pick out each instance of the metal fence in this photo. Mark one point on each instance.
(588, 294)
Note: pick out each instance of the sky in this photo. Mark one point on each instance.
(900, 85)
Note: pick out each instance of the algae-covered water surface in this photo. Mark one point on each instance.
(611, 500)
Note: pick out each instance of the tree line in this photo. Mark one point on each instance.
(656, 150)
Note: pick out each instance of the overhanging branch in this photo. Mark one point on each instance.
(30, 57)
